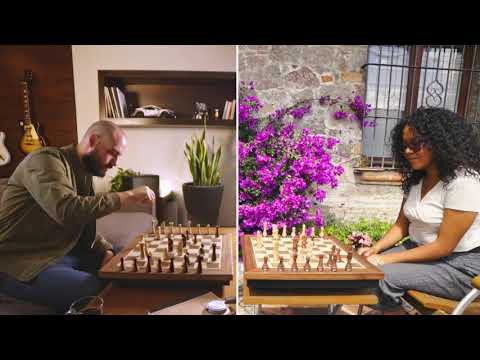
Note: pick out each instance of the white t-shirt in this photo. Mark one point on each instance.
(425, 215)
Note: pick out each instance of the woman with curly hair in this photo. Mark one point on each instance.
(438, 154)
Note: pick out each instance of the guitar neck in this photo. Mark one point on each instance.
(27, 104)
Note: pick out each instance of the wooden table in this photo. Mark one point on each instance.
(139, 298)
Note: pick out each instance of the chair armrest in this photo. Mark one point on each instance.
(476, 282)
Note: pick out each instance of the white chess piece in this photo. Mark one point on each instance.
(284, 232)
(303, 230)
(322, 234)
(293, 232)
(265, 229)
(259, 242)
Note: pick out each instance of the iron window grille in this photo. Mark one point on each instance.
(399, 79)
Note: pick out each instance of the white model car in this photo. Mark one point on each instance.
(153, 111)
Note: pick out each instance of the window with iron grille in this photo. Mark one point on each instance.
(399, 79)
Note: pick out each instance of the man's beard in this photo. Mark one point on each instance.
(92, 164)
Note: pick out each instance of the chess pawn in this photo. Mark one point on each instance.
(293, 232)
(195, 239)
(265, 229)
(214, 252)
(149, 266)
(294, 263)
(172, 266)
(284, 231)
(281, 265)
(333, 266)
(199, 264)
(320, 263)
(122, 264)
(202, 250)
(307, 266)
(185, 266)
(159, 265)
(348, 266)
(265, 264)
(135, 265)
(186, 258)
(184, 239)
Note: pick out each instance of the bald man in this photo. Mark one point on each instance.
(49, 250)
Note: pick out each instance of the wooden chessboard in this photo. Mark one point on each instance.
(362, 274)
(156, 245)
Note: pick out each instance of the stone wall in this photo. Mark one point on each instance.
(285, 74)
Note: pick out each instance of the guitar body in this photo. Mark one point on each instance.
(31, 140)
(4, 154)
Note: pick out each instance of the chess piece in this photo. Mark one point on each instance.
(158, 233)
(171, 227)
(142, 250)
(217, 233)
(293, 232)
(265, 263)
(184, 239)
(149, 266)
(198, 229)
(122, 264)
(180, 229)
(154, 224)
(208, 229)
(329, 261)
(274, 231)
(195, 239)
(303, 230)
(312, 234)
(333, 265)
(180, 248)
(170, 244)
(185, 265)
(294, 263)
(186, 258)
(214, 252)
(172, 266)
(135, 266)
(307, 266)
(320, 263)
(281, 265)
(202, 250)
(199, 262)
(322, 233)
(284, 231)
(348, 266)
(159, 265)
(265, 229)
(259, 242)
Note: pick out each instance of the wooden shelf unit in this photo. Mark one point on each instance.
(174, 90)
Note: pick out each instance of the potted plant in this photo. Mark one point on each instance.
(203, 196)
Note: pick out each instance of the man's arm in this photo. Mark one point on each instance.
(47, 181)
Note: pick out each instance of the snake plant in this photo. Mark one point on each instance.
(204, 169)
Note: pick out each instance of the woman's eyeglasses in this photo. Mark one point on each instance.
(415, 145)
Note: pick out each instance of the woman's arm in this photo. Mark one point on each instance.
(454, 225)
(397, 232)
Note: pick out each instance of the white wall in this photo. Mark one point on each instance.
(157, 150)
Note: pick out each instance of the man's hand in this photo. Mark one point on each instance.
(107, 256)
(141, 197)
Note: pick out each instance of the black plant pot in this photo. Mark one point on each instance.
(202, 203)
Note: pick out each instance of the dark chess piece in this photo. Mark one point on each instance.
(348, 267)
(184, 240)
(159, 267)
(187, 257)
(216, 232)
(122, 264)
(202, 250)
(294, 264)
(187, 234)
(333, 267)
(185, 264)
(281, 265)
(265, 264)
(199, 262)
(195, 238)
(320, 263)
(172, 266)
(135, 266)
(214, 252)
(329, 261)
(307, 266)
(170, 244)
(149, 266)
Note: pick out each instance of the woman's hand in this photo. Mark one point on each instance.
(367, 251)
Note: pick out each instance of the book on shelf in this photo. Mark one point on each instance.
(115, 102)
(229, 110)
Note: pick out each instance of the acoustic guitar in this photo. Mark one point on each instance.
(31, 139)
(4, 154)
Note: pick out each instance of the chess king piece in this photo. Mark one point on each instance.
(122, 264)
(172, 266)
(265, 263)
(284, 231)
(265, 229)
(281, 265)
(320, 263)
(199, 264)
(214, 252)
(307, 266)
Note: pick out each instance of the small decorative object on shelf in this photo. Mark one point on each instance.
(216, 114)
(154, 111)
(201, 111)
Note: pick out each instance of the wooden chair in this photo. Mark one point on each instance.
(429, 304)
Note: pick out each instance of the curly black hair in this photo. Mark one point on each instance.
(454, 143)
